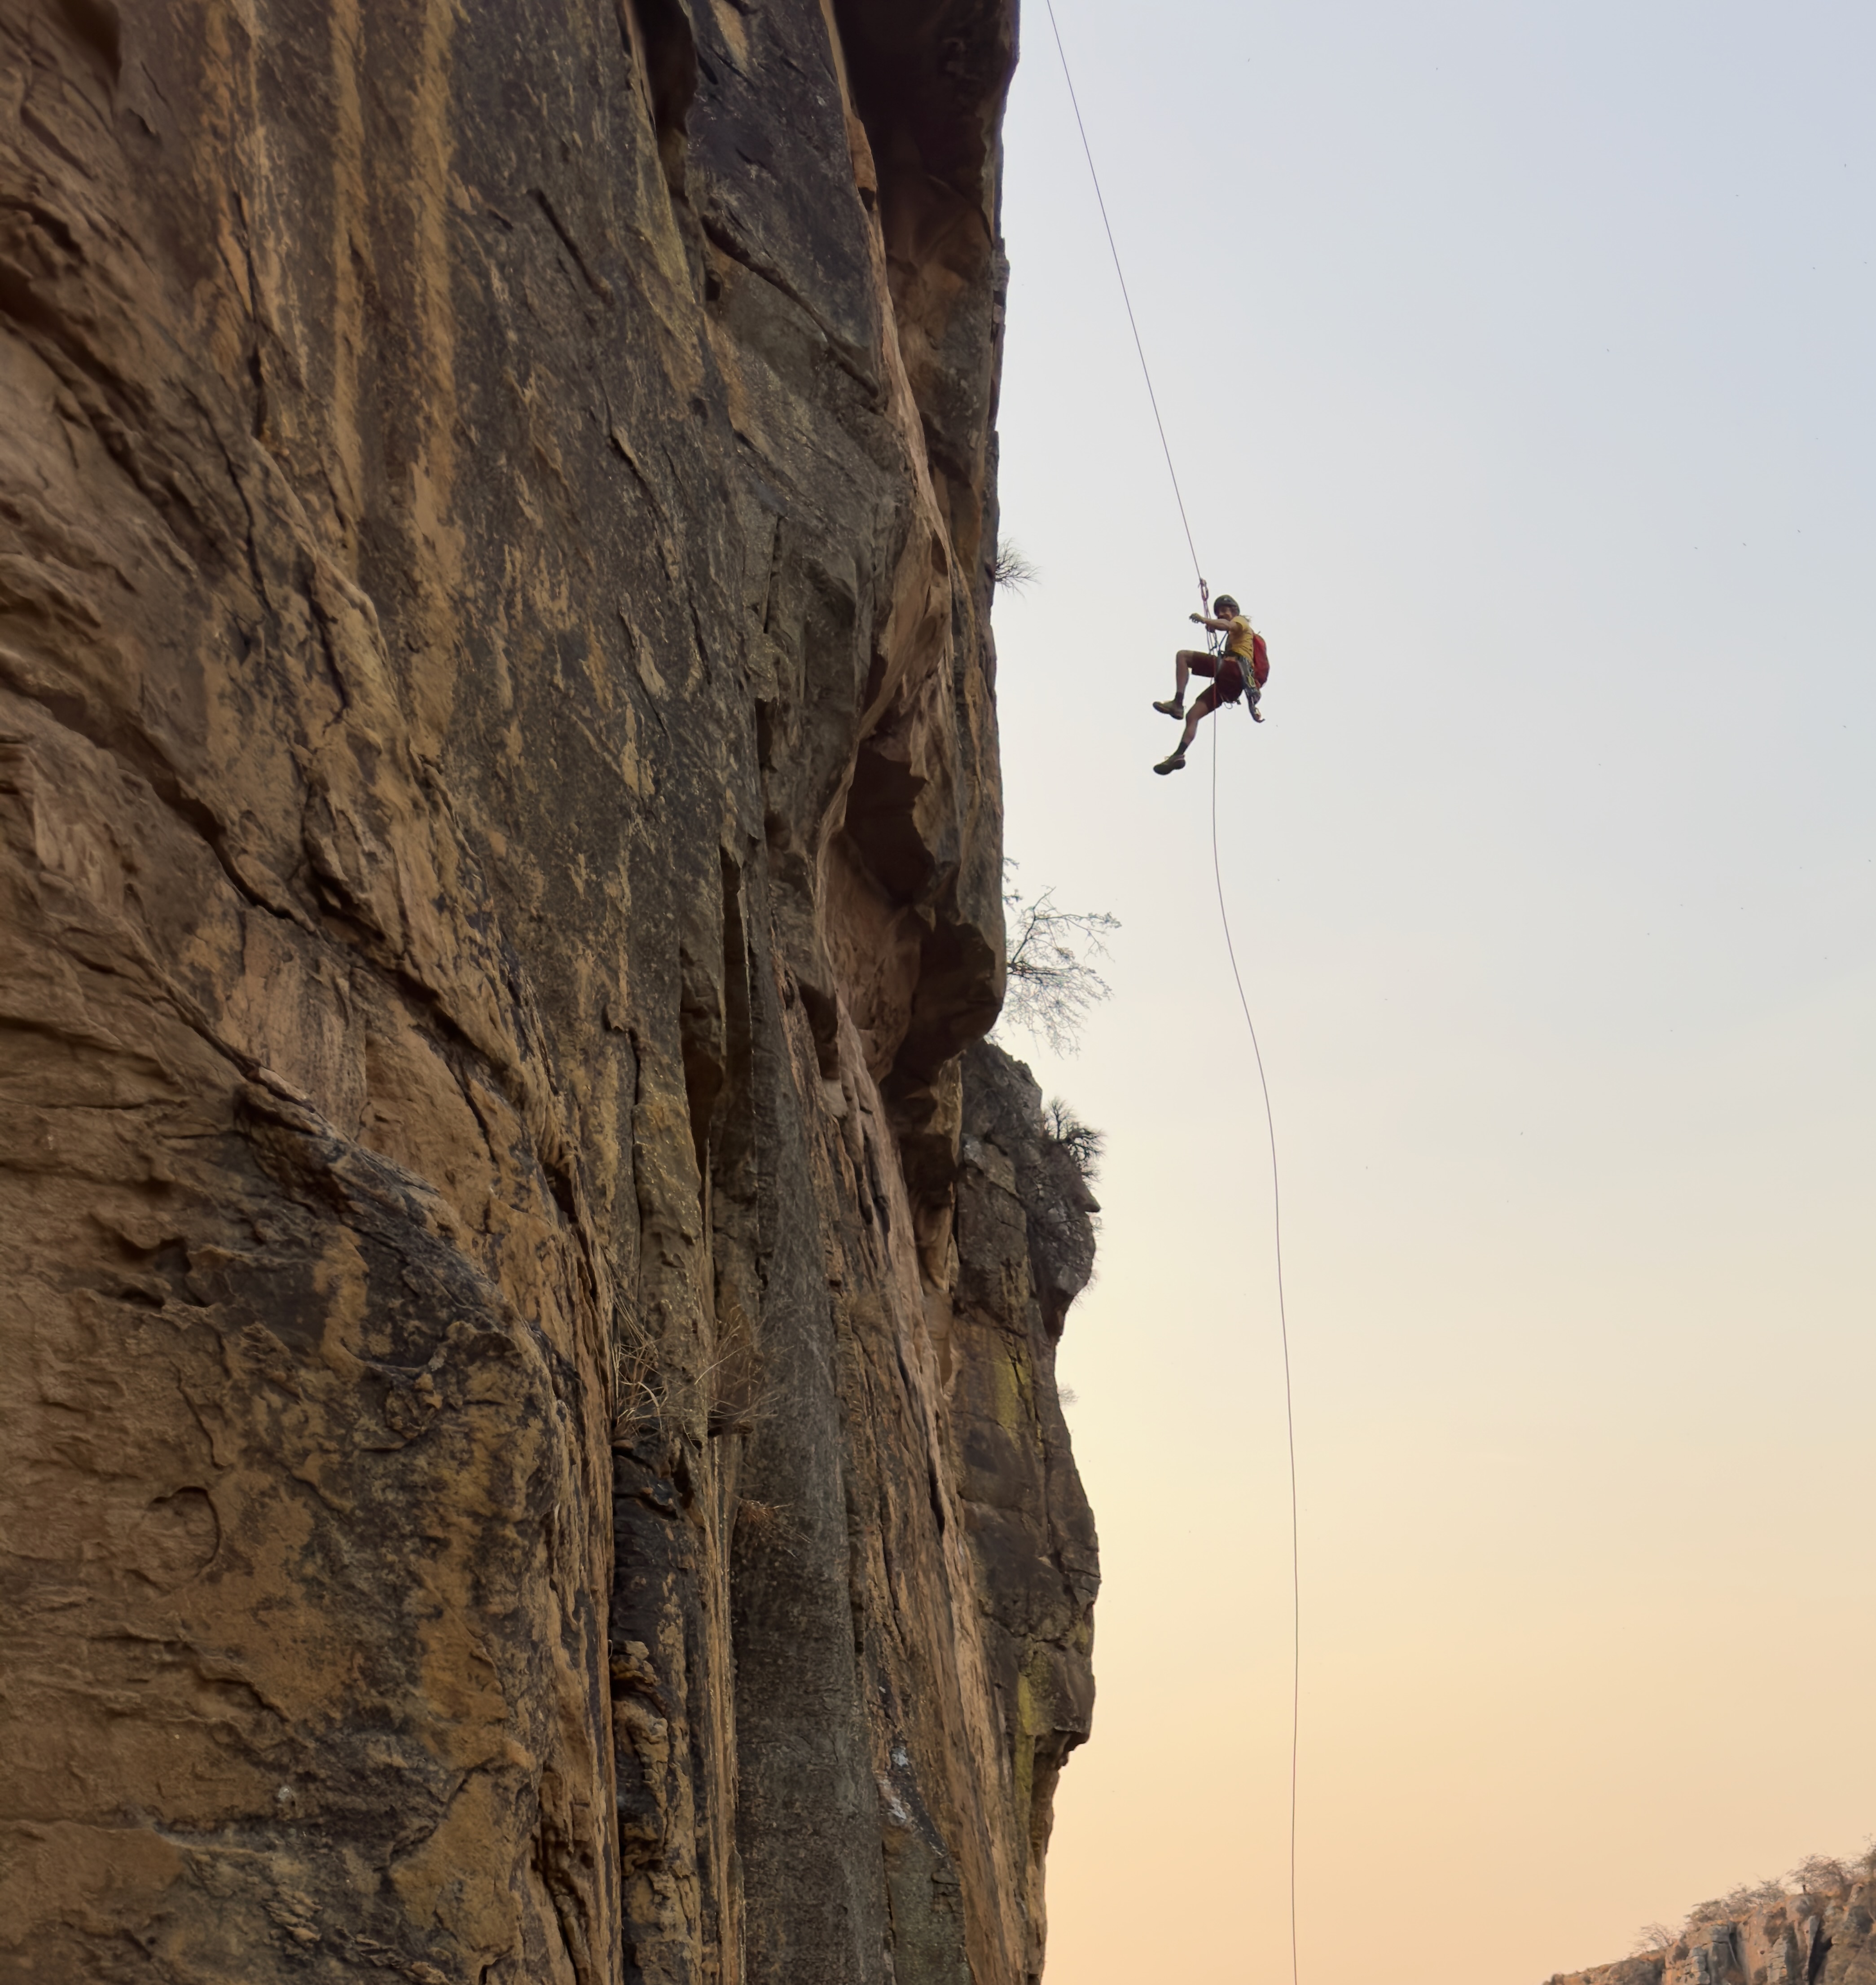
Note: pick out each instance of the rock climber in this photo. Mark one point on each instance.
(1240, 670)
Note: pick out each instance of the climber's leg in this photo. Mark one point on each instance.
(1200, 711)
(1186, 663)
(1207, 703)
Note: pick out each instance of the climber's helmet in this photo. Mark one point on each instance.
(1226, 607)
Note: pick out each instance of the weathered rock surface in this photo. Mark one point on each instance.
(525, 1340)
(1817, 1935)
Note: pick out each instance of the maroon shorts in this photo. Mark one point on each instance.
(1227, 670)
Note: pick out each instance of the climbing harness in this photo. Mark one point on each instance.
(1214, 641)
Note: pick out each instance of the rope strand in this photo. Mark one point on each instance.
(1270, 1118)
(1283, 1318)
(1146, 374)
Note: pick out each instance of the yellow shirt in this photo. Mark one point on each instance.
(1238, 641)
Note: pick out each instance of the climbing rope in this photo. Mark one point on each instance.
(1283, 1321)
(1270, 1117)
(1145, 372)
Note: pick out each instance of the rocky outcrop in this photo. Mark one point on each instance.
(1026, 1245)
(526, 1376)
(1819, 1934)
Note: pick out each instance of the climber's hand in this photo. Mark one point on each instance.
(1198, 620)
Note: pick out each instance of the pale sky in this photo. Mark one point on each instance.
(1518, 363)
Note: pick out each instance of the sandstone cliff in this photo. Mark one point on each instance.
(1819, 1933)
(531, 1444)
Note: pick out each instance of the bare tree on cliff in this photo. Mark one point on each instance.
(1011, 570)
(1051, 984)
(1083, 1143)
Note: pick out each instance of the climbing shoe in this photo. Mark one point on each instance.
(1174, 708)
(1175, 764)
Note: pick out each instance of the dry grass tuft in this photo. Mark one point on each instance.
(767, 1525)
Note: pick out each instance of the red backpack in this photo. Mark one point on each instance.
(1260, 661)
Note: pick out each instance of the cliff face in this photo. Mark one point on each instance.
(526, 1346)
(1820, 1935)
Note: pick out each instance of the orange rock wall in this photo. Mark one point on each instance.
(513, 1466)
